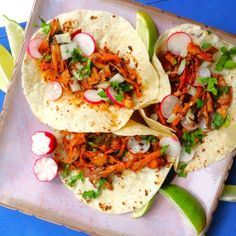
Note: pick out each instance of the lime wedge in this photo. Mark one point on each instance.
(143, 210)
(6, 68)
(187, 204)
(229, 193)
(147, 30)
(15, 34)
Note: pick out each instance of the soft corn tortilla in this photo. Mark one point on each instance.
(119, 36)
(218, 143)
(130, 190)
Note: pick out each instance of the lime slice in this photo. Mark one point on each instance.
(229, 193)
(147, 30)
(143, 210)
(6, 68)
(187, 204)
(15, 34)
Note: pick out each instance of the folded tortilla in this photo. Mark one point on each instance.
(131, 190)
(119, 36)
(218, 143)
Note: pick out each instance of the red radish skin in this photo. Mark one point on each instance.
(91, 96)
(45, 169)
(53, 91)
(111, 94)
(178, 42)
(86, 43)
(73, 34)
(43, 143)
(33, 46)
(168, 104)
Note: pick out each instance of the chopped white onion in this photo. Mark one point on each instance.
(103, 85)
(192, 90)
(171, 118)
(63, 38)
(154, 116)
(181, 67)
(75, 87)
(117, 78)
(67, 50)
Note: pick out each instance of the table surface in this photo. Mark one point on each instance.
(217, 13)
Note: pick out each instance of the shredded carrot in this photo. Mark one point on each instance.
(57, 61)
(103, 161)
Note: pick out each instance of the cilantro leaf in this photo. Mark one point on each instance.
(73, 179)
(227, 121)
(218, 120)
(126, 87)
(46, 27)
(230, 64)
(66, 171)
(149, 138)
(232, 51)
(119, 97)
(91, 194)
(221, 62)
(210, 82)
(206, 45)
(102, 94)
(222, 90)
(164, 149)
(199, 103)
(191, 139)
(101, 183)
(121, 87)
(181, 171)
(47, 57)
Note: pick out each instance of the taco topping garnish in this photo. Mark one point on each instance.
(96, 75)
(199, 99)
(99, 156)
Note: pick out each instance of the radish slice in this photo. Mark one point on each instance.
(186, 157)
(111, 94)
(168, 104)
(45, 169)
(135, 146)
(73, 34)
(53, 91)
(178, 42)
(189, 125)
(33, 47)
(92, 96)
(43, 143)
(86, 43)
(174, 148)
(117, 78)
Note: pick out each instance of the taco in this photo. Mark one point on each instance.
(87, 71)
(197, 99)
(114, 172)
